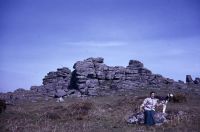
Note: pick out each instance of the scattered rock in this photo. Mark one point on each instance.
(138, 118)
(159, 117)
(60, 93)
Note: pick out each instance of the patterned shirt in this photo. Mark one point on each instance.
(149, 103)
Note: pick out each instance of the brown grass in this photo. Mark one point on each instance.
(99, 114)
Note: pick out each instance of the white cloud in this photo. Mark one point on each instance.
(99, 44)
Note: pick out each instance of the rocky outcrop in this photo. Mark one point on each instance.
(54, 82)
(59, 79)
(92, 77)
(86, 75)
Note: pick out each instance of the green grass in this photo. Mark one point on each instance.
(88, 114)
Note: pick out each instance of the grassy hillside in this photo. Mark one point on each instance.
(99, 114)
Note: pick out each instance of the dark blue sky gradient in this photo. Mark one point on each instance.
(38, 36)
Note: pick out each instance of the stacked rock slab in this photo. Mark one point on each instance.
(129, 77)
(59, 83)
(135, 75)
(86, 75)
(189, 79)
(55, 81)
(91, 76)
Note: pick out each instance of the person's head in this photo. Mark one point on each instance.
(152, 94)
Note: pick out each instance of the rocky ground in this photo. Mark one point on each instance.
(107, 113)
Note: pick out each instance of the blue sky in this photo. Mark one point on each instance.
(38, 36)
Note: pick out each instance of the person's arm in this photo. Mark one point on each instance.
(159, 103)
(143, 104)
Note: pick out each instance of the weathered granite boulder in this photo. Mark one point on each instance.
(159, 117)
(53, 81)
(91, 76)
(138, 118)
(60, 93)
(197, 80)
(57, 83)
(189, 79)
(61, 78)
(135, 64)
(87, 75)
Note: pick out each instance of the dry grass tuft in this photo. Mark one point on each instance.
(79, 110)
